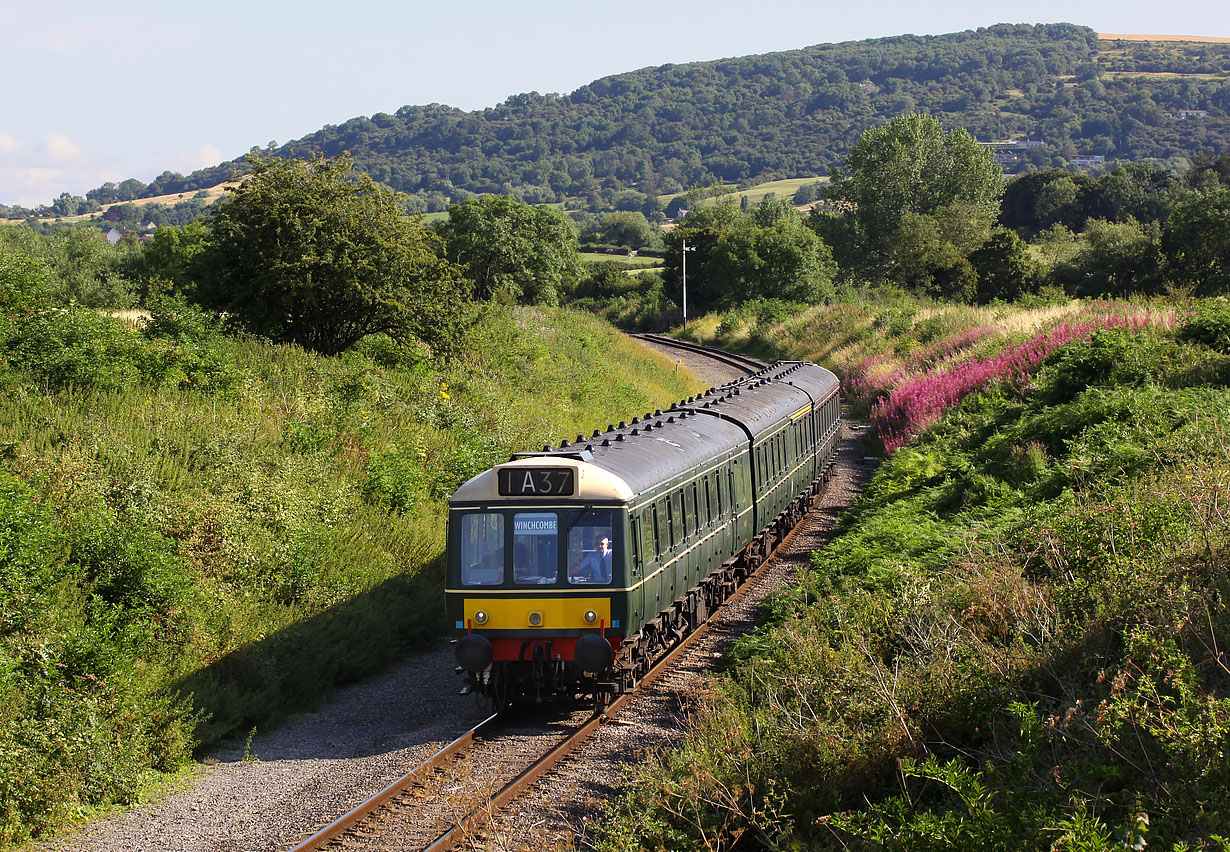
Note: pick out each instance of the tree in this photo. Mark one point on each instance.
(1196, 243)
(631, 230)
(767, 254)
(1005, 269)
(530, 253)
(306, 251)
(910, 165)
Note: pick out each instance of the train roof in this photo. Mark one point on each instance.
(648, 453)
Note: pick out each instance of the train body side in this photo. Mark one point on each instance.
(682, 496)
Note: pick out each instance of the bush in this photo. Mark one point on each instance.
(1209, 323)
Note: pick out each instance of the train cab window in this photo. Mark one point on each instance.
(535, 548)
(591, 548)
(482, 549)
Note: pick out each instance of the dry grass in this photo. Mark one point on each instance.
(1154, 37)
(213, 193)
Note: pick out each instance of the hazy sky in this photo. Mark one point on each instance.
(99, 91)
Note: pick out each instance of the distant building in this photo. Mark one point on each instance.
(1193, 113)
(1088, 160)
(114, 236)
(1008, 144)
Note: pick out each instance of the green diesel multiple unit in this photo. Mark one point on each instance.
(570, 569)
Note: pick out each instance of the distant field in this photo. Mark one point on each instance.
(780, 188)
(638, 262)
(1124, 37)
(213, 193)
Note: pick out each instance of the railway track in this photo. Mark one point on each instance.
(453, 795)
(749, 366)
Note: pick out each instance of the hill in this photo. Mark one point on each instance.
(621, 140)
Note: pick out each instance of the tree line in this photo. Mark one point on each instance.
(661, 130)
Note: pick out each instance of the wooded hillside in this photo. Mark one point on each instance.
(787, 114)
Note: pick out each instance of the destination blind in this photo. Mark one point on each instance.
(537, 482)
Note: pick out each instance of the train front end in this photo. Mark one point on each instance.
(536, 590)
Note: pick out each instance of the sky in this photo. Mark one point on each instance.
(98, 92)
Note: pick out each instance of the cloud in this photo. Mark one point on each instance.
(206, 155)
(10, 144)
(57, 146)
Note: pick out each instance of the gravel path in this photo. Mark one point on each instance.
(306, 773)
(321, 763)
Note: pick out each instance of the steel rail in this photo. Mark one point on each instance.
(733, 359)
(360, 812)
(545, 763)
(552, 758)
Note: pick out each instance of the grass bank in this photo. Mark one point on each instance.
(199, 534)
(1015, 641)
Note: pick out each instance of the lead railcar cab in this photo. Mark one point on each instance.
(571, 568)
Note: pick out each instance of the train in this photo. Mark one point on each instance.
(570, 570)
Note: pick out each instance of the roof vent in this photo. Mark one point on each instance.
(636, 420)
(736, 391)
(636, 431)
(611, 428)
(596, 434)
(563, 444)
(580, 438)
(657, 413)
(623, 424)
(606, 442)
(670, 420)
(546, 448)
(619, 437)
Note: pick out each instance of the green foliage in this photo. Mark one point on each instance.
(1012, 643)
(663, 129)
(186, 554)
(1113, 259)
(81, 266)
(631, 230)
(529, 254)
(911, 166)
(1196, 243)
(1004, 268)
(767, 253)
(306, 251)
(1208, 324)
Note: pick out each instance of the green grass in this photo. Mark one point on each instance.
(634, 263)
(785, 188)
(199, 534)
(1013, 642)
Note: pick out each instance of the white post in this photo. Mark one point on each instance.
(686, 248)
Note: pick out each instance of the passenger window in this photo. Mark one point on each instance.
(647, 536)
(535, 548)
(690, 521)
(657, 533)
(482, 549)
(591, 553)
(635, 539)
